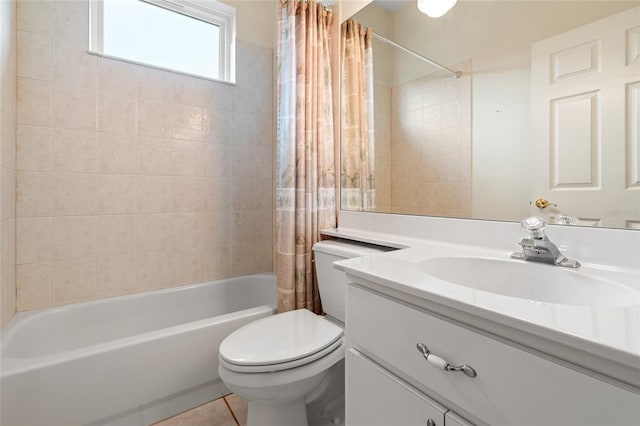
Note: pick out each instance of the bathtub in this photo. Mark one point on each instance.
(126, 360)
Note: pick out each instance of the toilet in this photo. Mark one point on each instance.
(284, 362)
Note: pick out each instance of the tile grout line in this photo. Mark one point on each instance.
(224, 398)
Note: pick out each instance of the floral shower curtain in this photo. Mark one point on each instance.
(305, 170)
(357, 139)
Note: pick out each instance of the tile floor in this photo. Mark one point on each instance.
(230, 410)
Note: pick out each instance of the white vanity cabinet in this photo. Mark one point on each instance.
(388, 376)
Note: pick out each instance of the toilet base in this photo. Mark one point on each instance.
(292, 413)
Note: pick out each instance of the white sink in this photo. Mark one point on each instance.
(529, 280)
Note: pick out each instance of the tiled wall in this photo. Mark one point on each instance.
(431, 150)
(130, 178)
(382, 138)
(7, 160)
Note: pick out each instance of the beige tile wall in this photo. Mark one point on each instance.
(7, 160)
(130, 178)
(382, 138)
(431, 150)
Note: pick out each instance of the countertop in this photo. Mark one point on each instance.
(603, 341)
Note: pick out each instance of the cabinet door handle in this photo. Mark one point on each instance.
(442, 364)
(430, 422)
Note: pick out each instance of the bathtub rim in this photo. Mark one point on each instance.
(15, 365)
(27, 316)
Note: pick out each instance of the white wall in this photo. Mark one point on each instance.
(348, 8)
(256, 21)
(501, 137)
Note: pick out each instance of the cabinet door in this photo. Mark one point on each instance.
(377, 398)
(452, 419)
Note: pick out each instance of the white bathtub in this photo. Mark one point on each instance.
(127, 360)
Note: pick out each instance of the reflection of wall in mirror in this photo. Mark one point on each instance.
(382, 132)
(422, 165)
(431, 149)
(497, 36)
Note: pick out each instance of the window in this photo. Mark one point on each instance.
(193, 37)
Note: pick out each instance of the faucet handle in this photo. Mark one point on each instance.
(533, 227)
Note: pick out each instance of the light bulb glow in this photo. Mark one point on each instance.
(435, 8)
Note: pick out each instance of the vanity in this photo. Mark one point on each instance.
(458, 333)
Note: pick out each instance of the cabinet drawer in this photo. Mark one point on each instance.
(512, 387)
(376, 398)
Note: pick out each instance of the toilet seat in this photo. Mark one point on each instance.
(280, 342)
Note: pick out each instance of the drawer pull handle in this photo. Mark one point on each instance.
(442, 364)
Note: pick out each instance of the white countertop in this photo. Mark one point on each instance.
(602, 339)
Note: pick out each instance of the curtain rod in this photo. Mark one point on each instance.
(456, 74)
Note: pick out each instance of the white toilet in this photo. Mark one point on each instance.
(283, 362)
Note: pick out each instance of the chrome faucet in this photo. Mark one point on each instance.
(537, 247)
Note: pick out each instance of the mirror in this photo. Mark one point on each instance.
(544, 119)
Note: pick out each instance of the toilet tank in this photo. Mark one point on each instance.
(332, 283)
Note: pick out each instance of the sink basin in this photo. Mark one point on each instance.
(529, 280)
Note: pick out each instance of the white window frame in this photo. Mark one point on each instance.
(211, 11)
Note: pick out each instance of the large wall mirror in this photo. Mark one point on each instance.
(543, 117)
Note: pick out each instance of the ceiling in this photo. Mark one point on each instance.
(391, 5)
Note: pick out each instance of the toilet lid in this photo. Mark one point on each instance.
(280, 339)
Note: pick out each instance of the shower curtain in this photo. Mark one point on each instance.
(357, 139)
(305, 170)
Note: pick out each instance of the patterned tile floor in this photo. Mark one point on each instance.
(230, 410)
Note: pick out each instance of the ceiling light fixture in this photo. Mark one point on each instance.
(435, 8)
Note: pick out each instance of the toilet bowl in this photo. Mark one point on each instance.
(280, 363)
